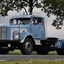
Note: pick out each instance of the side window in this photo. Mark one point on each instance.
(37, 21)
(40, 21)
(14, 21)
(34, 21)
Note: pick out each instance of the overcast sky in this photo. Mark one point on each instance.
(50, 30)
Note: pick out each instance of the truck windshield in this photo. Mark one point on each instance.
(17, 21)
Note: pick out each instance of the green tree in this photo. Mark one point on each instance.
(6, 5)
(55, 7)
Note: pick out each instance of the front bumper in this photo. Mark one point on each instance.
(10, 43)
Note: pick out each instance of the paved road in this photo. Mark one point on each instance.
(14, 57)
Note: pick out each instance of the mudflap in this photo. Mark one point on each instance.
(59, 44)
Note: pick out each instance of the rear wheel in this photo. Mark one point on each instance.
(27, 46)
(41, 51)
(60, 51)
(4, 51)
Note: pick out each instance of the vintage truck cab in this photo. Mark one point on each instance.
(27, 33)
(22, 33)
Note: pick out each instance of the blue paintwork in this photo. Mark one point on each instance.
(59, 44)
(8, 33)
(36, 31)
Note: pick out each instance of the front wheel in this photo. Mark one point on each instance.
(27, 46)
(4, 51)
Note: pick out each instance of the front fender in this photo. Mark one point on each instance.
(24, 35)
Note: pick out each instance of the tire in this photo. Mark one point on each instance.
(27, 47)
(60, 51)
(41, 51)
(4, 51)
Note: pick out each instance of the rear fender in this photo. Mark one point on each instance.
(58, 44)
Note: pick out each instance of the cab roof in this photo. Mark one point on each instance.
(25, 16)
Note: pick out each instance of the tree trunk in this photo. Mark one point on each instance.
(30, 6)
(30, 11)
(25, 10)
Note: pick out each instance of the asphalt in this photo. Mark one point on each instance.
(25, 57)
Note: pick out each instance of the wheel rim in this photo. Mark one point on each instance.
(28, 46)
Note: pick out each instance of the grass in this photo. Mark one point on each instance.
(52, 53)
(31, 61)
(15, 52)
(37, 61)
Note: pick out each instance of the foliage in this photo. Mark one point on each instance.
(6, 5)
(55, 7)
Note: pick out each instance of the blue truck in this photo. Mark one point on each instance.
(27, 33)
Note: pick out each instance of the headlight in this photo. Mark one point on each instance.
(17, 36)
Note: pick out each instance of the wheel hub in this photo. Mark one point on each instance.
(28, 46)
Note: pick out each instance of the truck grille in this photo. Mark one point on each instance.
(2, 33)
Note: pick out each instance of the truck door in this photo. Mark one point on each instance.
(37, 28)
